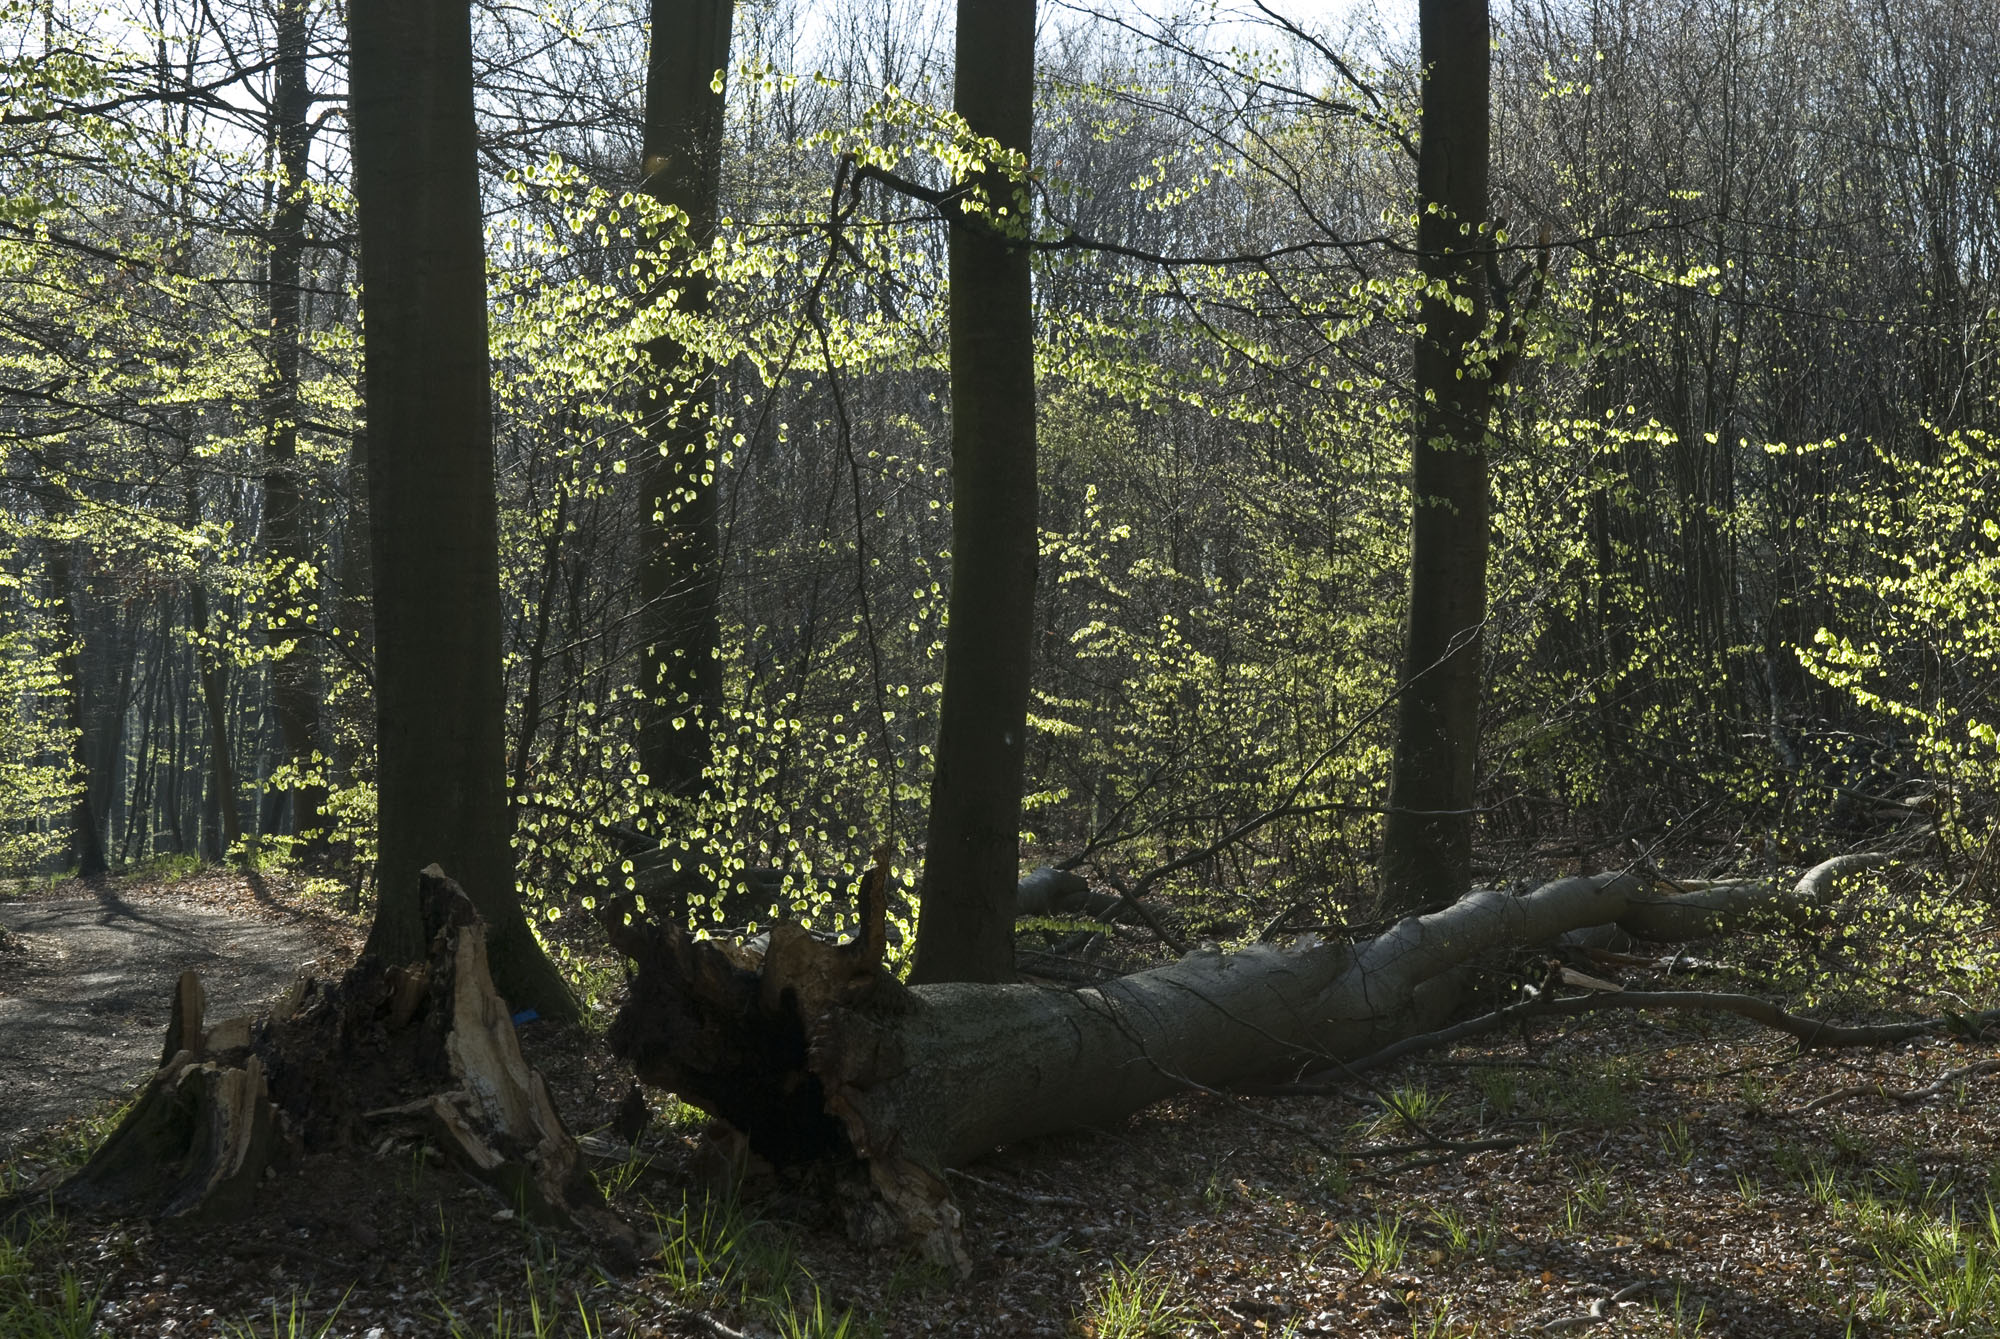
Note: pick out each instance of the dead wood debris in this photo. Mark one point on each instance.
(1034, 1197)
(1599, 1309)
(1944, 1083)
(1234, 1221)
(334, 1065)
(1810, 1032)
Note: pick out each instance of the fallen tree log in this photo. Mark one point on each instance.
(1063, 892)
(426, 1049)
(814, 1053)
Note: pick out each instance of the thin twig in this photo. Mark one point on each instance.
(1810, 1032)
(1034, 1197)
(1598, 1310)
(1937, 1089)
(1129, 898)
(1433, 1146)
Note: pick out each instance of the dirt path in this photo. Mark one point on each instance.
(86, 970)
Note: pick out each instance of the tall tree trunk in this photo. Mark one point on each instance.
(680, 574)
(537, 654)
(965, 927)
(1427, 836)
(226, 826)
(139, 806)
(109, 649)
(86, 824)
(292, 599)
(173, 806)
(433, 523)
(138, 830)
(355, 617)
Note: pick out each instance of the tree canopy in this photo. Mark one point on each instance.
(1737, 465)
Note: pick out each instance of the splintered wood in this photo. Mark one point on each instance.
(424, 1049)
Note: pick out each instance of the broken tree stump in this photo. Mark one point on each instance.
(199, 1138)
(425, 1048)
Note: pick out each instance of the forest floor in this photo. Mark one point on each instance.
(1614, 1175)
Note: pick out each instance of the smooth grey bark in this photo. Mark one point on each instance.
(965, 926)
(680, 572)
(433, 522)
(1427, 834)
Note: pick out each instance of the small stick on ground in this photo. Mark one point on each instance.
(1936, 1089)
(1599, 1310)
(1434, 1146)
(1810, 1032)
(1033, 1197)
